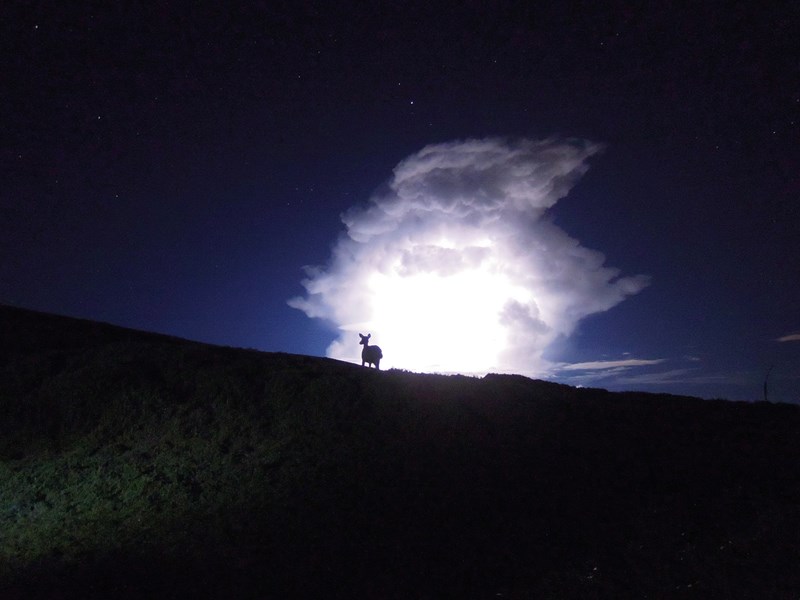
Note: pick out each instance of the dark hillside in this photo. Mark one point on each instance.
(138, 465)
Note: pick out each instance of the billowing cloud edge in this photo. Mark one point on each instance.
(471, 206)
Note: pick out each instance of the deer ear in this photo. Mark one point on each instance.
(369, 335)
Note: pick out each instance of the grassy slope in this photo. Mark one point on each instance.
(133, 464)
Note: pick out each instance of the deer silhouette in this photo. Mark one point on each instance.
(371, 355)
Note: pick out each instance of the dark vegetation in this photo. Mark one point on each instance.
(138, 465)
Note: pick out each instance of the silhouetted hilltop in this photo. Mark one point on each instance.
(139, 465)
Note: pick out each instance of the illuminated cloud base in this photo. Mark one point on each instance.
(457, 267)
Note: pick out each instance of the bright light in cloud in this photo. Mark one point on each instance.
(457, 268)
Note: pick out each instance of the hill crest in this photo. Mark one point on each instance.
(139, 464)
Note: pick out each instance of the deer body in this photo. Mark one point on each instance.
(371, 355)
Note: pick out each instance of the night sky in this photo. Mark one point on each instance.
(174, 167)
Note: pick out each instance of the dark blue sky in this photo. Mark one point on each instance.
(173, 168)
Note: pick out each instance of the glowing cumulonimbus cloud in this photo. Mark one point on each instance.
(457, 269)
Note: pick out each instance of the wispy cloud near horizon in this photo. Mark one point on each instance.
(611, 364)
(636, 373)
(457, 266)
(792, 337)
